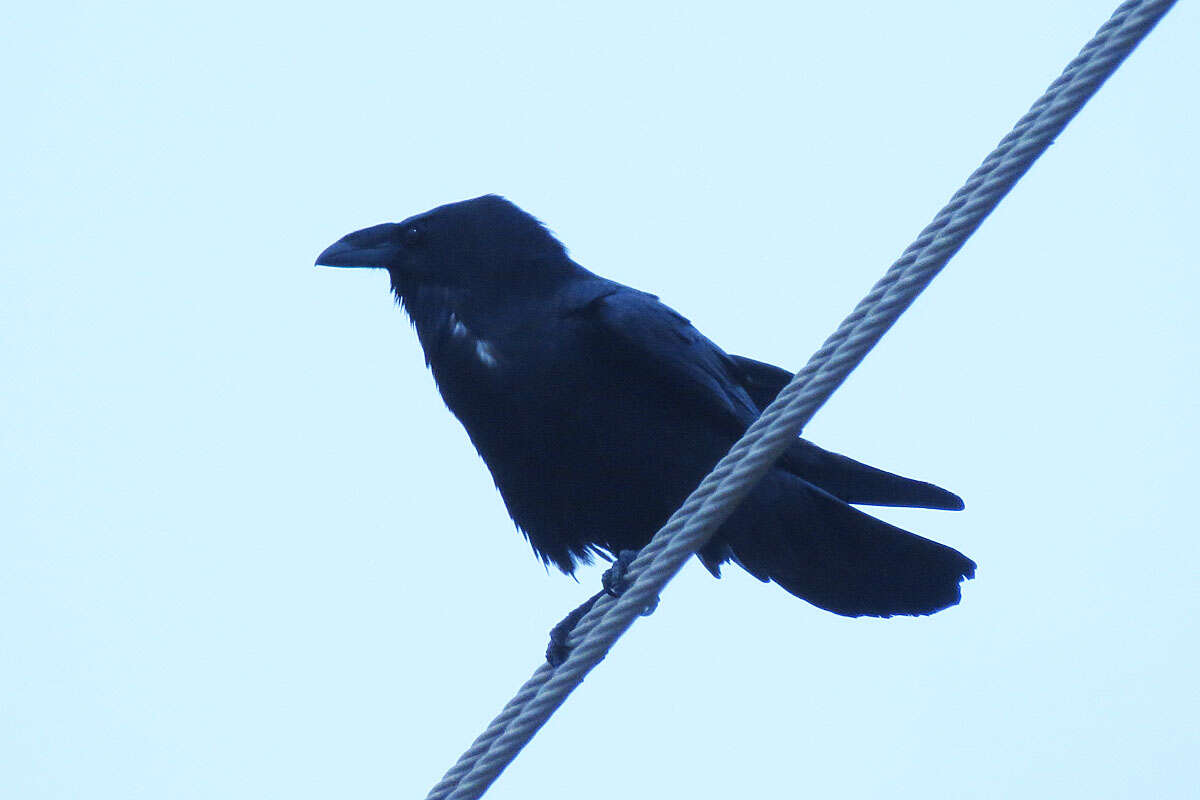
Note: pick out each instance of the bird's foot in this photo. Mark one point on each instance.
(557, 651)
(613, 579)
(614, 583)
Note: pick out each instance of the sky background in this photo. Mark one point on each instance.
(247, 553)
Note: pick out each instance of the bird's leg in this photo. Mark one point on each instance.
(557, 650)
(614, 584)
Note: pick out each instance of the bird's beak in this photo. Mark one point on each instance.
(376, 246)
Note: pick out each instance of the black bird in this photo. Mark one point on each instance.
(598, 409)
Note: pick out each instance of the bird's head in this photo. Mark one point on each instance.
(474, 245)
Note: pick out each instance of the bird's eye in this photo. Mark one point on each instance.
(413, 235)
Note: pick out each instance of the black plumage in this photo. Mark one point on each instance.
(598, 409)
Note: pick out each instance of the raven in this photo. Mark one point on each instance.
(598, 410)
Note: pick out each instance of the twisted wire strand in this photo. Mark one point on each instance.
(736, 474)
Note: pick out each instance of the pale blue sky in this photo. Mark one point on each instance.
(247, 553)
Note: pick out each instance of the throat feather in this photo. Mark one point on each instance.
(442, 332)
(462, 339)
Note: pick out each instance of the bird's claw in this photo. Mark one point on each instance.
(557, 651)
(614, 583)
(613, 579)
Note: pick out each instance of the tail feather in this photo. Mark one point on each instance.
(856, 482)
(842, 477)
(838, 558)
